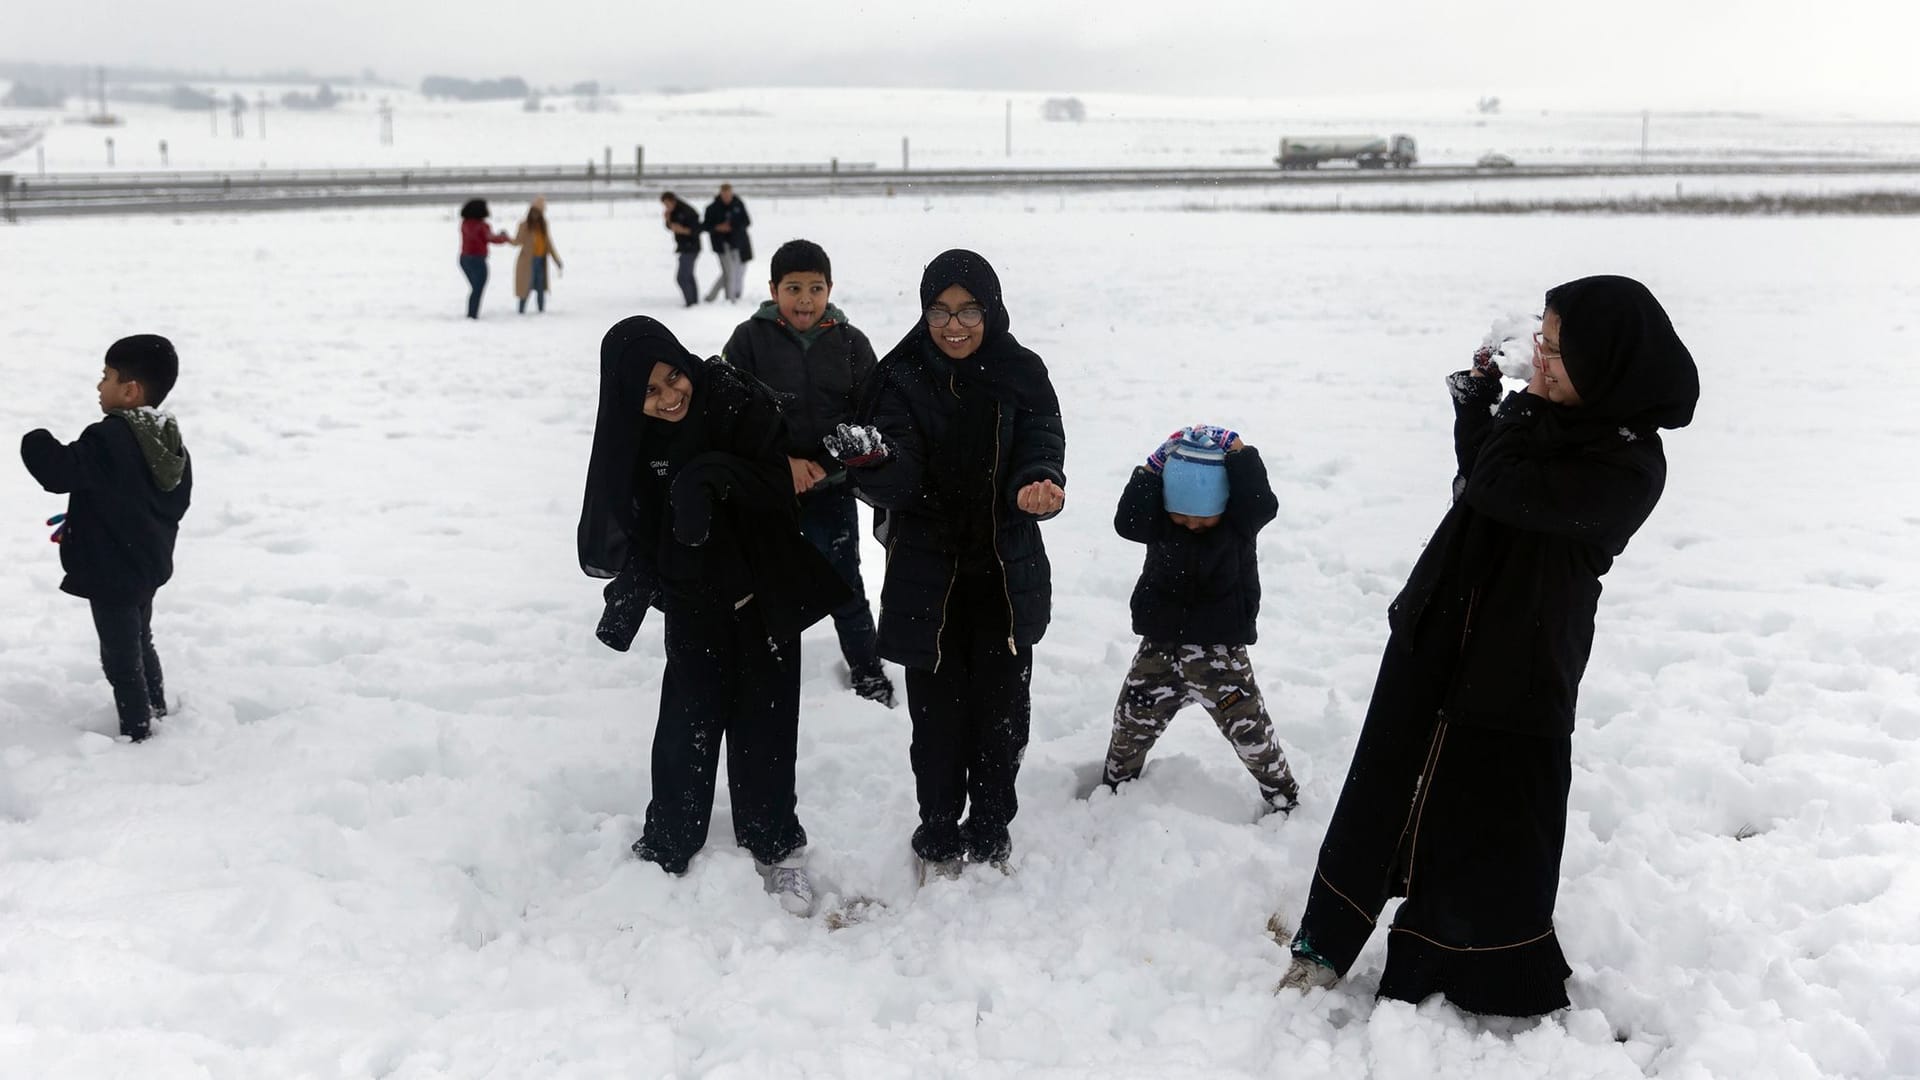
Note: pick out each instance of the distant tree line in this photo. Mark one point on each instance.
(24, 96)
(509, 88)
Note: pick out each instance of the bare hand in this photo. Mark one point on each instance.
(1041, 498)
(806, 474)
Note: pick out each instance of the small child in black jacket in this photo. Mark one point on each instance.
(805, 350)
(1198, 503)
(128, 480)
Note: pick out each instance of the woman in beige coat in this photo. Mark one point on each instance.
(536, 247)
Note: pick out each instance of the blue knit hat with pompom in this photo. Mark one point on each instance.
(1194, 480)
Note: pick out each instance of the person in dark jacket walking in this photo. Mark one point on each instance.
(688, 509)
(726, 223)
(474, 238)
(128, 479)
(803, 347)
(1198, 504)
(965, 453)
(1457, 795)
(683, 222)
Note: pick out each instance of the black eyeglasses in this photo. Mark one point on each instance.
(968, 317)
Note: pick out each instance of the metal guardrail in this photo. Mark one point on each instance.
(301, 189)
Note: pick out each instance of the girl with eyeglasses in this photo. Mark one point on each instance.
(963, 454)
(1457, 795)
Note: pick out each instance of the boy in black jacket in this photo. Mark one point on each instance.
(1198, 503)
(129, 480)
(689, 510)
(803, 347)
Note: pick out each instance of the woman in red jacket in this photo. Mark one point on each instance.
(474, 238)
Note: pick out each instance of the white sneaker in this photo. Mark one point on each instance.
(790, 884)
(943, 869)
(1304, 975)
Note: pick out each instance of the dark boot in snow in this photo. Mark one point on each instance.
(991, 846)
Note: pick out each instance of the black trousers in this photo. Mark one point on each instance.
(724, 679)
(830, 520)
(131, 665)
(1467, 823)
(970, 721)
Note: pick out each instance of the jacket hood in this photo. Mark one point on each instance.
(1621, 351)
(158, 434)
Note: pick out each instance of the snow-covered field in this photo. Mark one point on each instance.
(944, 128)
(386, 834)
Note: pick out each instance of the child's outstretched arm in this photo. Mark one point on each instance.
(61, 468)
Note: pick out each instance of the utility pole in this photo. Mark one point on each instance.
(903, 154)
(386, 122)
(609, 165)
(213, 113)
(1009, 127)
(109, 151)
(1646, 117)
(263, 114)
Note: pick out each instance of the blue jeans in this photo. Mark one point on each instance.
(475, 267)
(689, 288)
(538, 283)
(830, 520)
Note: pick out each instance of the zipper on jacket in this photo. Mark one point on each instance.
(1006, 590)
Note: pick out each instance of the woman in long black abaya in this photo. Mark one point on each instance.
(1457, 795)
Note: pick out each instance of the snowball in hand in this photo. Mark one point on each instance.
(1511, 339)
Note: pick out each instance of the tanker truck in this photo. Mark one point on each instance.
(1366, 151)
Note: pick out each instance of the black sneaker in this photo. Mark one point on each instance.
(874, 685)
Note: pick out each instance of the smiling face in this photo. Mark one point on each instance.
(669, 394)
(802, 296)
(956, 340)
(1553, 367)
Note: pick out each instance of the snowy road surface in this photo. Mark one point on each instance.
(386, 834)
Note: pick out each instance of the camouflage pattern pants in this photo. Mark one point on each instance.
(1219, 678)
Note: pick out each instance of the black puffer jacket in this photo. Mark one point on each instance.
(819, 376)
(121, 526)
(687, 216)
(1199, 588)
(1546, 497)
(917, 405)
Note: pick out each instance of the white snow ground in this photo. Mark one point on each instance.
(386, 833)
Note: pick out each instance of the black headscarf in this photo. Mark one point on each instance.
(1001, 367)
(1620, 349)
(627, 356)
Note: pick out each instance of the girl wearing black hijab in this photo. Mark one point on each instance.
(963, 454)
(1457, 795)
(690, 509)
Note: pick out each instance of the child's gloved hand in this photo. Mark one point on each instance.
(1212, 435)
(856, 445)
(60, 530)
(1157, 460)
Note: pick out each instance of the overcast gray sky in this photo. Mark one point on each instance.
(1630, 52)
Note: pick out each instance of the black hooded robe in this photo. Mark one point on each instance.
(1457, 795)
(698, 519)
(968, 589)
